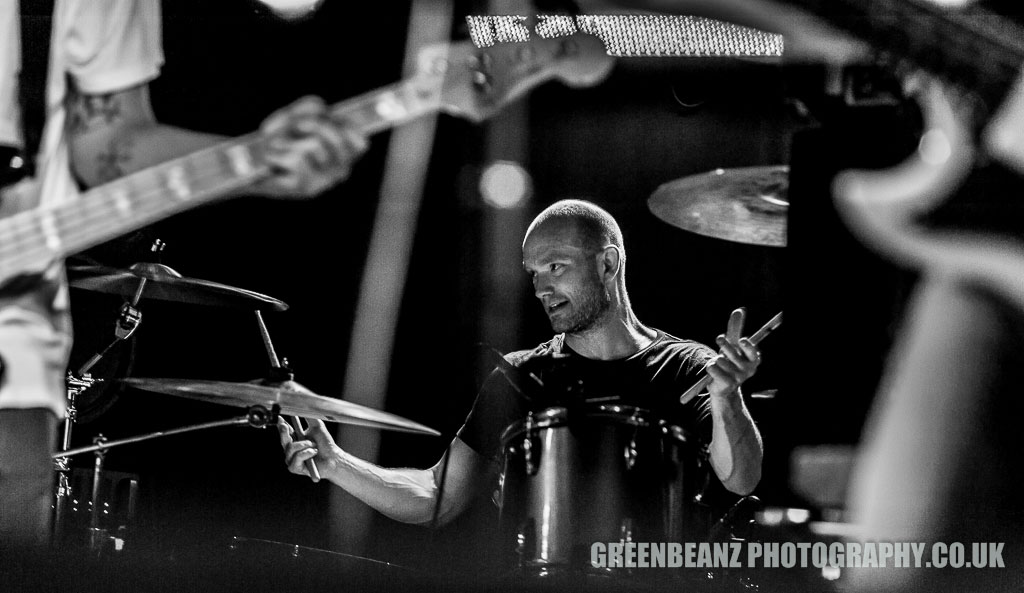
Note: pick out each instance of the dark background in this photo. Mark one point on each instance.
(231, 63)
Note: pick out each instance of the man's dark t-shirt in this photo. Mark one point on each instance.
(651, 379)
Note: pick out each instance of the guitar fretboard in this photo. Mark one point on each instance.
(34, 238)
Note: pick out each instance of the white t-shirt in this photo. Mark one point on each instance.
(103, 46)
(10, 62)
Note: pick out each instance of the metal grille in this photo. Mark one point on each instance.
(635, 35)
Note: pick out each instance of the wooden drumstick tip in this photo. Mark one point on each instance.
(735, 327)
(755, 339)
(314, 472)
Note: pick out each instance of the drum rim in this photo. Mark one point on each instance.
(239, 540)
(557, 416)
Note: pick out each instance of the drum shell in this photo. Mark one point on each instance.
(611, 474)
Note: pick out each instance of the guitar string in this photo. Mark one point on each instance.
(98, 223)
(102, 216)
(30, 227)
(29, 243)
(30, 222)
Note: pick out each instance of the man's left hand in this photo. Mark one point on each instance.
(308, 149)
(737, 362)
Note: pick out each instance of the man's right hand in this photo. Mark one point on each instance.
(315, 443)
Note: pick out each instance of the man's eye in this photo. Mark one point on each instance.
(556, 267)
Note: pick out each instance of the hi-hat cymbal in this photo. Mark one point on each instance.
(746, 205)
(293, 399)
(165, 284)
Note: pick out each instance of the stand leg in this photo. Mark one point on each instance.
(97, 535)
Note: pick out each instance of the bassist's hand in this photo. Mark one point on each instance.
(308, 149)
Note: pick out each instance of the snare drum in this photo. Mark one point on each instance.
(608, 473)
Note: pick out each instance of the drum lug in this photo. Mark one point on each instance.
(496, 496)
(531, 465)
(626, 530)
(630, 453)
(525, 544)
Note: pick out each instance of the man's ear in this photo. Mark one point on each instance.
(610, 262)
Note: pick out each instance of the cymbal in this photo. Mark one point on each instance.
(746, 205)
(293, 399)
(165, 284)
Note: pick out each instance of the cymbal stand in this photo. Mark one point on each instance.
(96, 534)
(279, 373)
(256, 416)
(127, 322)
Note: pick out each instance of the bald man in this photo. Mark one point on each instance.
(575, 255)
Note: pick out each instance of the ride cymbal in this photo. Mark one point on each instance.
(745, 205)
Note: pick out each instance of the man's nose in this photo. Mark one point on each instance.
(541, 286)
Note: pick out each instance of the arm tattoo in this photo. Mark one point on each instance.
(109, 162)
(86, 111)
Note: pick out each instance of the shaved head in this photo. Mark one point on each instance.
(573, 251)
(594, 227)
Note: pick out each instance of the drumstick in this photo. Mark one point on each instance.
(275, 364)
(755, 339)
(733, 331)
(310, 464)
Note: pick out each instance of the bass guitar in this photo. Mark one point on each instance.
(457, 79)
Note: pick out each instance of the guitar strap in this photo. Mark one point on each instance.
(36, 27)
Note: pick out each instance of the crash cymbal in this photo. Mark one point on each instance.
(165, 284)
(293, 399)
(746, 205)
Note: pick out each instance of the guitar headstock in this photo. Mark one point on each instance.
(475, 82)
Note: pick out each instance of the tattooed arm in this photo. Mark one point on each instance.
(114, 134)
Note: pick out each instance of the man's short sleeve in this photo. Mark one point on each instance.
(497, 407)
(111, 45)
(691, 358)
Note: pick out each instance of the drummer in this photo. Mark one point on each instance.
(601, 352)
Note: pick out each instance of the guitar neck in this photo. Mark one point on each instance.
(974, 49)
(34, 238)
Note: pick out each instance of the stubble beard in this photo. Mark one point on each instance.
(588, 310)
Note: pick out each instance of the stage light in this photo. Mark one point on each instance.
(505, 184)
(292, 9)
(798, 515)
(831, 573)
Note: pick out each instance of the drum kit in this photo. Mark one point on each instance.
(606, 473)
(262, 401)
